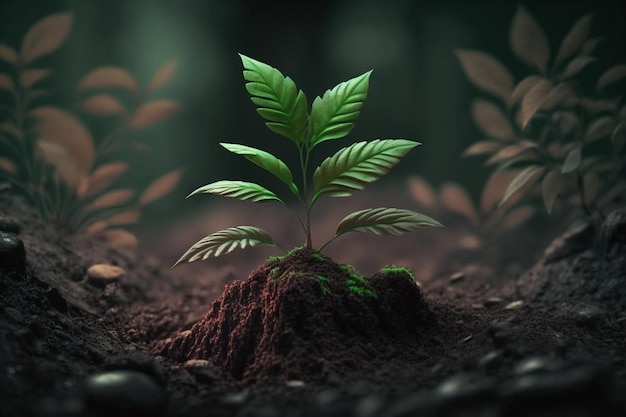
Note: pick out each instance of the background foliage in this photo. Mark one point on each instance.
(420, 91)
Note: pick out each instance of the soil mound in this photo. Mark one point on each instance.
(298, 317)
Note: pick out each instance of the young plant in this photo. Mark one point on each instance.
(284, 107)
(563, 138)
(50, 154)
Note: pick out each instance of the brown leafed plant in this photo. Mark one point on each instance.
(566, 139)
(483, 223)
(51, 155)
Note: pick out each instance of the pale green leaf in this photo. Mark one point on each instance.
(533, 99)
(278, 99)
(486, 73)
(524, 87)
(590, 45)
(574, 39)
(265, 160)
(6, 82)
(611, 75)
(354, 166)
(572, 160)
(576, 65)
(45, 36)
(483, 147)
(422, 192)
(528, 40)
(599, 128)
(225, 241)
(8, 54)
(492, 120)
(526, 176)
(511, 151)
(333, 114)
(550, 189)
(241, 190)
(456, 200)
(385, 221)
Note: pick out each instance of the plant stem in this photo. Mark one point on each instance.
(304, 162)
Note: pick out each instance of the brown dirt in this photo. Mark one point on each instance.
(277, 344)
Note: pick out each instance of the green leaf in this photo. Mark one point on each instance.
(265, 160)
(333, 114)
(278, 99)
(237, 189)
(385, 221)
(524, 177)
(358, 164)
(225, 241)
(572, 160)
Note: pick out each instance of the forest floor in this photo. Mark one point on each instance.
(532, 323)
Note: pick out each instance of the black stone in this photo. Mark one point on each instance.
(12, 253)
(7, 225)
(125, 393)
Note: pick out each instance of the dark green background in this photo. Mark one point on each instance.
(417, 90)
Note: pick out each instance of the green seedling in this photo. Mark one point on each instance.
(284, 107)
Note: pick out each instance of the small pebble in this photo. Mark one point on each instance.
(501, 332)
(464, 386)
(235, 398)
(6, 225)
(203, 370)
(101, 275)
(493, 301)
(490, 360)
(125, 393)
(12, 253)
(370, 406)
(457, 277)
(513, 305)
(590, 314)
(537, 364)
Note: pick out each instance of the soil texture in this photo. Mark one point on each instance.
(533, 324)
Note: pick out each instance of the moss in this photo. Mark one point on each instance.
(347, 268)
(277, 258)
(323, 281)
(273, 275)
(359, 286)
(398, 270)
(318, 256)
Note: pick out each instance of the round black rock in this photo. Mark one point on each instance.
(12, 253)
(125, 393)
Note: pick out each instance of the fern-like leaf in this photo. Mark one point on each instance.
(354, 166)
(385, 221)
(225, 241)
(278, 99)
(333, 114)
(241, 190)
(265, 160)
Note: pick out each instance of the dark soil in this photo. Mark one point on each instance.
(523, 327)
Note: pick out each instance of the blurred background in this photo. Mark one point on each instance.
(417, 90)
